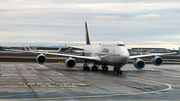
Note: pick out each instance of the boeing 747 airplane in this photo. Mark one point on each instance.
(112, 53)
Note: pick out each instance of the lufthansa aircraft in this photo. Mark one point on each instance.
(112, 53)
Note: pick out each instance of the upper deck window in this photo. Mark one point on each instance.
(120, 45)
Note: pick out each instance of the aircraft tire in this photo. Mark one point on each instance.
(106, 68)
(87, 68)
(94, 68)
(120, 72)
(84, 68)
(115, 68)
(103, 68)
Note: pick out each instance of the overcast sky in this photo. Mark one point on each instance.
(137, 23)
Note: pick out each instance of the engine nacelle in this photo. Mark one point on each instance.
(156, 60)
(41, 59)
(70, 62)
(139, 63)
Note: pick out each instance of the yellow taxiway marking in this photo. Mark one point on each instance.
(97, 96)
(169, 86)
(64, 85)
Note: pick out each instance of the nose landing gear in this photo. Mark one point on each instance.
(85, 66)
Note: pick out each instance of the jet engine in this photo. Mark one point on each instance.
(139, 63)
(41, 59)
(156, 60)
(70, 62)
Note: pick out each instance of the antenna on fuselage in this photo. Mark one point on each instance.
(87, 35)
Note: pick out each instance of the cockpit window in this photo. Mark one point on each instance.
(120, 45)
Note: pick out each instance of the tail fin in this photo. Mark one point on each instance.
(87, 35)
(25, 48)
(59, 50)
(29, 48)
(148, 52)
(71, 50)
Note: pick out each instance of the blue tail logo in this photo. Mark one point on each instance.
(87, 35)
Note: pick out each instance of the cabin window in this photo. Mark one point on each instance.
(120, 45)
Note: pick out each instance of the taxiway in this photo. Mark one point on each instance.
(54, 81)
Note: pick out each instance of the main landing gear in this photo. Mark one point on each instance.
(118, 69)
(86, 67)
(94, 68)
(104, 67)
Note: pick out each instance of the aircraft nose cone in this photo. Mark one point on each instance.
(124, 57)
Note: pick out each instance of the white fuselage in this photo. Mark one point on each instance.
(109, 53)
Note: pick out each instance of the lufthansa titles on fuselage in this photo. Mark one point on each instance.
(105, 50)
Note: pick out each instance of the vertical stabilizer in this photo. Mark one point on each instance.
(59, 50)
(87, 35)
(71, 50)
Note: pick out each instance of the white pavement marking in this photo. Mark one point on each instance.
(41, 75)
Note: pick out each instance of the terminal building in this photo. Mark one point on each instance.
(152, 50)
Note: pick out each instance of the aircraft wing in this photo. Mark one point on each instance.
(75, 56)
(63, 55)
(149, 55)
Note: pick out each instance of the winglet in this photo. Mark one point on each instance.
(87, 35)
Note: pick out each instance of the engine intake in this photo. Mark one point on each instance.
(156, 60)
(41, 59)
(70, 62)
(139, 63)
